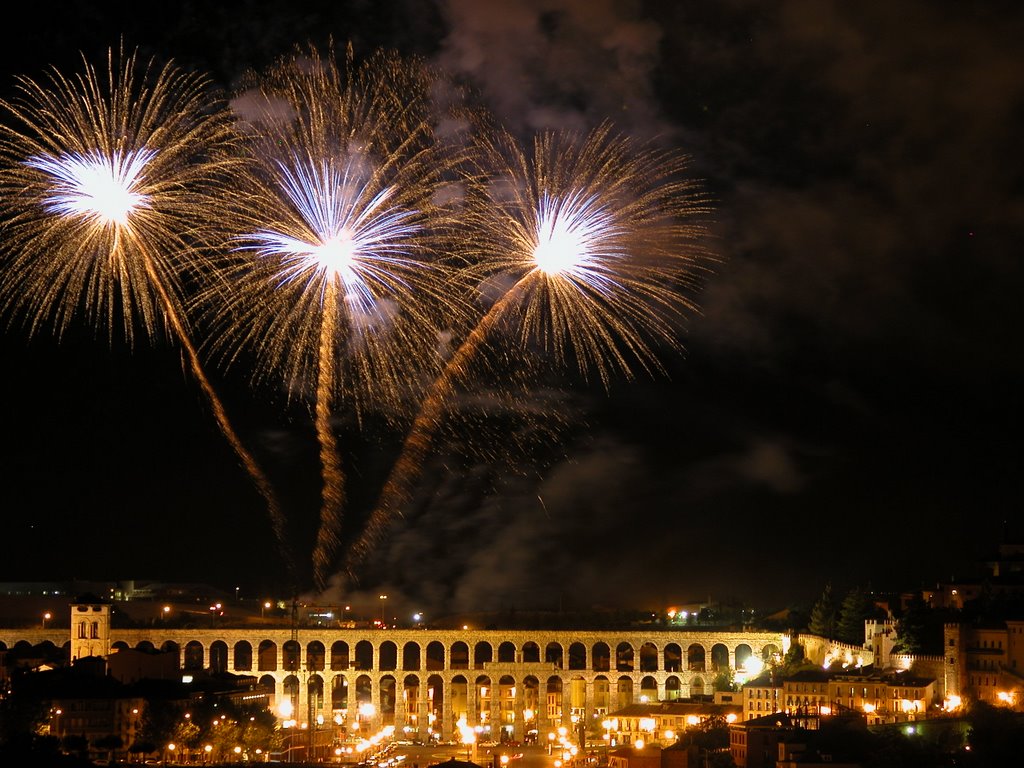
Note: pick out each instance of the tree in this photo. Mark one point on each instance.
(912, 627)
(824, 614)
(857, 606)
(724, 681)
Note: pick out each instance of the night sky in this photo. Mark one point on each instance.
(848, 407)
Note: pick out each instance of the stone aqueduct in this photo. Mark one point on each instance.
(422, 680)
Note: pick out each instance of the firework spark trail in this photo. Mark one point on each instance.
(603, 236)
(112, 193)
(334, 276)
(333, 492)
(397, 490)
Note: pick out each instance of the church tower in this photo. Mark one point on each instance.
(90, 627)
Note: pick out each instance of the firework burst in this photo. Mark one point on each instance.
(599, 240)
(113, 187)
(335, 279)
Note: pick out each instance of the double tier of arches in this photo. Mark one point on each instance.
(420, 682)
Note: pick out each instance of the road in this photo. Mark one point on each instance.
(423, 756)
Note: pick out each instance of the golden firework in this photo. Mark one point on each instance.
(599, 242)
(335, 275)
(113, 186)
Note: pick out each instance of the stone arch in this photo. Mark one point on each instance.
(3, 645)
(719, 657)
(117, 645)
(459, 655)
(673, 688)
(459, 692)
(387, 656)
(770, 652)
(507, 653)
(435, 693)
(242, 657)
(388, 688)
(339, 692)
(292, 652)
(364, 655)
(315, 695)
(695, 658)
(290, 693)
(531, 701)
(696, 686)
(339, 656)
(169, 646)
(624, 657)
(145, 646)
(193, 656)
(743, 652)
(266, 656)
(602, 694)
(411, 699)
(601, 657)
(364, 691)
(506, 705)
(483, 652)
(218, 657)
(483, 698)
(673, 658)
(435, 656)
(553, 691)
(315, 653)
(648, 689)
(648, 657)
(577, 656)
(411, 656)
(578, 691)
(531, 653)
(553, 655)
(269, 684)
(623, 692)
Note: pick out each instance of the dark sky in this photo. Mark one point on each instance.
(848, 406)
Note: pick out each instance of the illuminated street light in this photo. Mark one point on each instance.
(46, 617)
(382, 599)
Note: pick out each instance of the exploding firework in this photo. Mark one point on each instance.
(113, 187)
(334, 279)
(599, 240)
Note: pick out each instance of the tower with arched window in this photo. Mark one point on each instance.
(90, 627)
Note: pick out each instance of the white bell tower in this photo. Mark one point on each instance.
(90, 628)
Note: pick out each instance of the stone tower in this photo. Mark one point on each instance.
(90, 627)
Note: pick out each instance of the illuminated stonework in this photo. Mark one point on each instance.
(422, 680)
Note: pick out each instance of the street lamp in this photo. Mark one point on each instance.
(46, 617)
(264, 608)
(382, 599)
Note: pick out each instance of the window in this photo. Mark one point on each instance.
(81, 629)
(95, 630)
